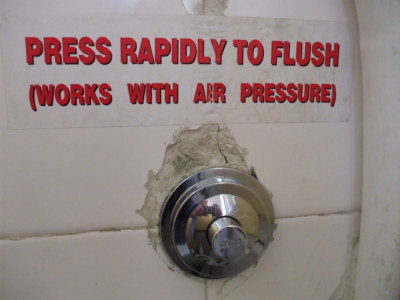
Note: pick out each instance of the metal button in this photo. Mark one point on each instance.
(227, 238)
(217, 222)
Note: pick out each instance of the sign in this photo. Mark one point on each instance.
(138, 70)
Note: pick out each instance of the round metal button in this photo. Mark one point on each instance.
(217, 222)
(227, 238)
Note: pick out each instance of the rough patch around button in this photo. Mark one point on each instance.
(191, 151)
(205, 7)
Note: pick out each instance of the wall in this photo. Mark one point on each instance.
(380, 234)
(68, 221)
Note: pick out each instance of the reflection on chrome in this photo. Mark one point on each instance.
(217, 222)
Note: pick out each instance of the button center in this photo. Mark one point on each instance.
(227, 238)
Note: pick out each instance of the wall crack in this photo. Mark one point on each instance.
(219, 147)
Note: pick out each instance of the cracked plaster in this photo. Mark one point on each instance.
(191, 151)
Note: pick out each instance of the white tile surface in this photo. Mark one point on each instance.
(70, 180)
(305, 262)
(307, 172)
(55, 181)
(77, 179)
(76, 7)
(116, 265)
(85, 179)
(315, 9)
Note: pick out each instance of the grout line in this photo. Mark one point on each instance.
(49, 235)
(113, 229)
(337, 213)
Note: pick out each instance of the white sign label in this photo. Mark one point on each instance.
(167, 70)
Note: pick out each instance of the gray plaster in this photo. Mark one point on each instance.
(191, 151)
(205, 7)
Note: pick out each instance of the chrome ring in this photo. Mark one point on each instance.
(197, 202)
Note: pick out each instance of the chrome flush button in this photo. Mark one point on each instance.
(227, 238)
(217, 222)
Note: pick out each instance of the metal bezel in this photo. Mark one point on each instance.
(204, 185)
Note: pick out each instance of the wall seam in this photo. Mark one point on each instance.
(116, 229)
(50, 235)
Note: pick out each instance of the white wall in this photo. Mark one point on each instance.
(378, 272)
(72, 193)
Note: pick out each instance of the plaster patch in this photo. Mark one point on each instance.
(191, 151)
(205, 7)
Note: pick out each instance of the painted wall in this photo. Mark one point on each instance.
(68, 221)
(378, 270)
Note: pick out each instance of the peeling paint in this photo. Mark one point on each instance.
(191, 151)
(205, 7)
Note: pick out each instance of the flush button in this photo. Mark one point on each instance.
(217, 222)
(227, 238)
